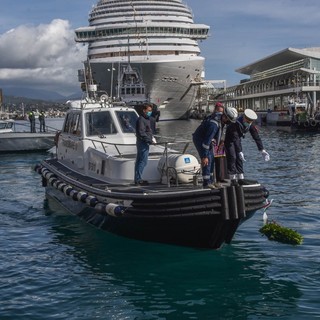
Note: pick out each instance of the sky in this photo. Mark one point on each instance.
(37, 47)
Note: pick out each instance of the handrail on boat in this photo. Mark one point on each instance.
(166, 144)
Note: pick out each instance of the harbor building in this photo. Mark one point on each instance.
(287, 77)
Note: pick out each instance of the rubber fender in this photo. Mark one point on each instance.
(240, 202)
(52, 180)
(81, 196)
(114, 210)
(67, 190)
(224, 204)
(74, 194)
(232, 201)
(44, 182)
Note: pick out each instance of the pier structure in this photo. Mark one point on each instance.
(290, 76)
(207, 95)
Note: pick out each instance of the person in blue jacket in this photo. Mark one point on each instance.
(208, 132)
(144, 132)
(233, 147)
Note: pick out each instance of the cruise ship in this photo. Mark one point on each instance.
(157, 37)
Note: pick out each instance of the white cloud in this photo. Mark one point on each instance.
(43, 56)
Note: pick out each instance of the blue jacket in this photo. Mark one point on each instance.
(208, 130)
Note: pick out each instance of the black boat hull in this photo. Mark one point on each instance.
(199, 231)
(185, 216)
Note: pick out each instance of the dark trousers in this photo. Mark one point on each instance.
(32, 125)
(141, 159)
(234, 163)
(207, 171)
(42, 126)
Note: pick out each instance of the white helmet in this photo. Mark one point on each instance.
(231, 113)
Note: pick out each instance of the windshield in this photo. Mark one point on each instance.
(127, 120)
(100, 123)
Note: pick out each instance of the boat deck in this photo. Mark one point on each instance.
(152, 188)
(155, 197)
(183, 214)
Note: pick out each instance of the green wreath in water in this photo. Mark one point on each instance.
(282, 234)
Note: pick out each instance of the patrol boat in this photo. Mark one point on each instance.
(92, 176)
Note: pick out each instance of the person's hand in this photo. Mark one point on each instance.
(265, 155)
(154, 141)
(241, 156)
(204, 162)
(220, 147)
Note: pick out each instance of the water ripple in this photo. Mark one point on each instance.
(54, 266)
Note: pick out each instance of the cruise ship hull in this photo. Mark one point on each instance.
(171, 85)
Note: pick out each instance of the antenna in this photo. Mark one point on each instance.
(90, 86)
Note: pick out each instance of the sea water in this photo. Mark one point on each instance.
(54, 266)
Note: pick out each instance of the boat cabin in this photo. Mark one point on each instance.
(98, 140)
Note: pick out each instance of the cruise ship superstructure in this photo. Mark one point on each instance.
(158, 37)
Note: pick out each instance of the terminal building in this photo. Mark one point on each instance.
(290, 76)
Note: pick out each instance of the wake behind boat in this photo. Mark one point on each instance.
(12, 140)
(92, 176)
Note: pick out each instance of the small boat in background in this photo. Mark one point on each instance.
(296, 118)
(12, 140)
(92, 176)
(6, 125)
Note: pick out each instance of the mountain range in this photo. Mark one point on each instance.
(36, 94)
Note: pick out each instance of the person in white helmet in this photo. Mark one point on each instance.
(233, 146)
(208, 131)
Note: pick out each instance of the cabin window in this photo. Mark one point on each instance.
(127, 120)
(100, 123)
(67, 123)
(72, 124)
(76, 125)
